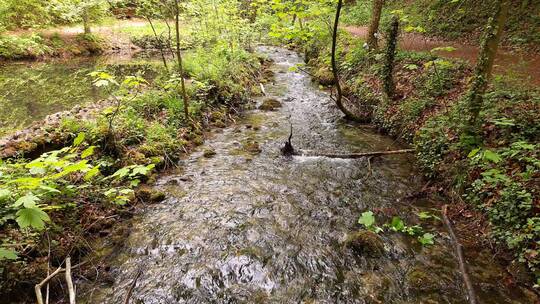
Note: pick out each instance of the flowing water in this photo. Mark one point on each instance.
(245, 227)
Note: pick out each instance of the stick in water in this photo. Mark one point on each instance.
(353, 155)
(460, 256)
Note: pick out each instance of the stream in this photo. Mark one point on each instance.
(249, 227)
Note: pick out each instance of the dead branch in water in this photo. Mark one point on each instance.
(352, 155)
(461, 259)
(133, 284)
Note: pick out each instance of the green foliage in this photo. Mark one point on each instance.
(33, 190)
(24, 47)
(368, 220)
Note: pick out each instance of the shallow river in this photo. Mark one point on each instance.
(244, 227)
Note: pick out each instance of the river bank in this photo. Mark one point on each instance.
(107, 156)
(501, 192)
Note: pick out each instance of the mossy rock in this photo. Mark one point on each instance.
(324, 76)
(270, 104)
(150, 195)
(209, 152)
(365, 242)
(422, 279)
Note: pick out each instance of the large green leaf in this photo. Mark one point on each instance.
(6, 254)
(29, 201)
(32, 217)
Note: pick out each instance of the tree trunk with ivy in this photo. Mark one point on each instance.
(389, 59)
(185, 97)
(86, 21)
(486, 57)
(339, 97)
(372, 40)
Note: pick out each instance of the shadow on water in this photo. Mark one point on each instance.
(245, 227)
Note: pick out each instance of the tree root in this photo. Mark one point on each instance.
(461, 259)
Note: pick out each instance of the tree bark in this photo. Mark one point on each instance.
(339, 97)
(86, 21)
(179, 60)
(389, 59)
(372, 40)
(484, 67)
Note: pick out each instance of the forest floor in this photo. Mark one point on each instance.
(518, 65)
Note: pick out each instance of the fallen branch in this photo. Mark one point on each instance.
(133, 284)
(352, 155)
(37, 288)
(460, 256)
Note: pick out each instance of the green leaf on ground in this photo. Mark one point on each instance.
(367, 219)
(32, 217)
(6, 254)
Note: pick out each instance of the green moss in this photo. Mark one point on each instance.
(270, 104)
(366, 243)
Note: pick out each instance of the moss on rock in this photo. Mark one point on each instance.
(365, 242)
(270, 104)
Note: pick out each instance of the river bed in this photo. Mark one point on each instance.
(250, 226)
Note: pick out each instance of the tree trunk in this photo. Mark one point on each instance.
(86, 21)
(339, 97)
(159, 40)
(389, 58)
(179, 60)
(486, 57)
(372, 40)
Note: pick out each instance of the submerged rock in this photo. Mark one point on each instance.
(270, 104)
(422, 279)
(209, 152)
(365, 242)
(150, 195)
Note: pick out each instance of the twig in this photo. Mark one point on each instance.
(460, 256)
(352, 155)
(130, 291)
(262, 89)
(69, 281)
(37, 288)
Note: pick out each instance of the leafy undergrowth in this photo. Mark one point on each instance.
(55, 204)
(458, 19)
(34, 46)
(497, 172)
